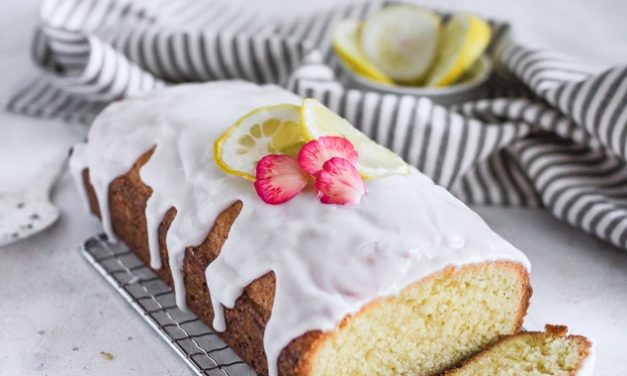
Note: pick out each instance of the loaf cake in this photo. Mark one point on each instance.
(551, 352)
(408, 282)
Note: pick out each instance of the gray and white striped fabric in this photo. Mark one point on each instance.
(551, 132)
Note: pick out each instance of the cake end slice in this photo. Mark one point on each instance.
(551, 352)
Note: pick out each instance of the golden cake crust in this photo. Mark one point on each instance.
(246, 321)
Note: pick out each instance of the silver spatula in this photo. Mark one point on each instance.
(29, 211)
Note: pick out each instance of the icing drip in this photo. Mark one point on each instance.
(78, 163)
(329, 261)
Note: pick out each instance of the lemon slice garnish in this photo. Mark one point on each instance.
(266, 130)
(345, 42)
(374, 159)
(463, 40)
(401, 40)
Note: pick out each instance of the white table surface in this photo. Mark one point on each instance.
(57, 314)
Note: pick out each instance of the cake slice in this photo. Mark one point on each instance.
(409, 281)
(551, 352)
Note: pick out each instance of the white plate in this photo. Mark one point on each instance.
(470, 86)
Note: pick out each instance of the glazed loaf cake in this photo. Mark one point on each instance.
(410, 281)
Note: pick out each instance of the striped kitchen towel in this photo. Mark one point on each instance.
(550, 132)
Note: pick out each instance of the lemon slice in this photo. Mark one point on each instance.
(266, 130)
(401, 40)
(374, 159)
(463, 40)
(346, 45)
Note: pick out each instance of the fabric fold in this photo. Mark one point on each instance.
(551, 131)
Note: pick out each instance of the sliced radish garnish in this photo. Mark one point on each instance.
(339, 182)
(279, 178)
(315, 153)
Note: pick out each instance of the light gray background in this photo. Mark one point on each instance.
(57, 315)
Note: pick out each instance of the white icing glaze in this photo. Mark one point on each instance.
(78, 163)
(329, 261)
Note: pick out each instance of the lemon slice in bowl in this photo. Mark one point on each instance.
(402, 41)
(373, 161)
(463, 40)
(263, 131)
(345, 43)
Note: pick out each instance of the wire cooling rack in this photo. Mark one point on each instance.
(202, 350)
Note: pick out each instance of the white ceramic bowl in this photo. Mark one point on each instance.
(470, 86)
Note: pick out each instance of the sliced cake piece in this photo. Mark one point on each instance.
(551, 352)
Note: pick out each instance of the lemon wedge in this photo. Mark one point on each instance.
(263, 131)
(463, 40)
(402, 41)
(374, 160)
(345, 42)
